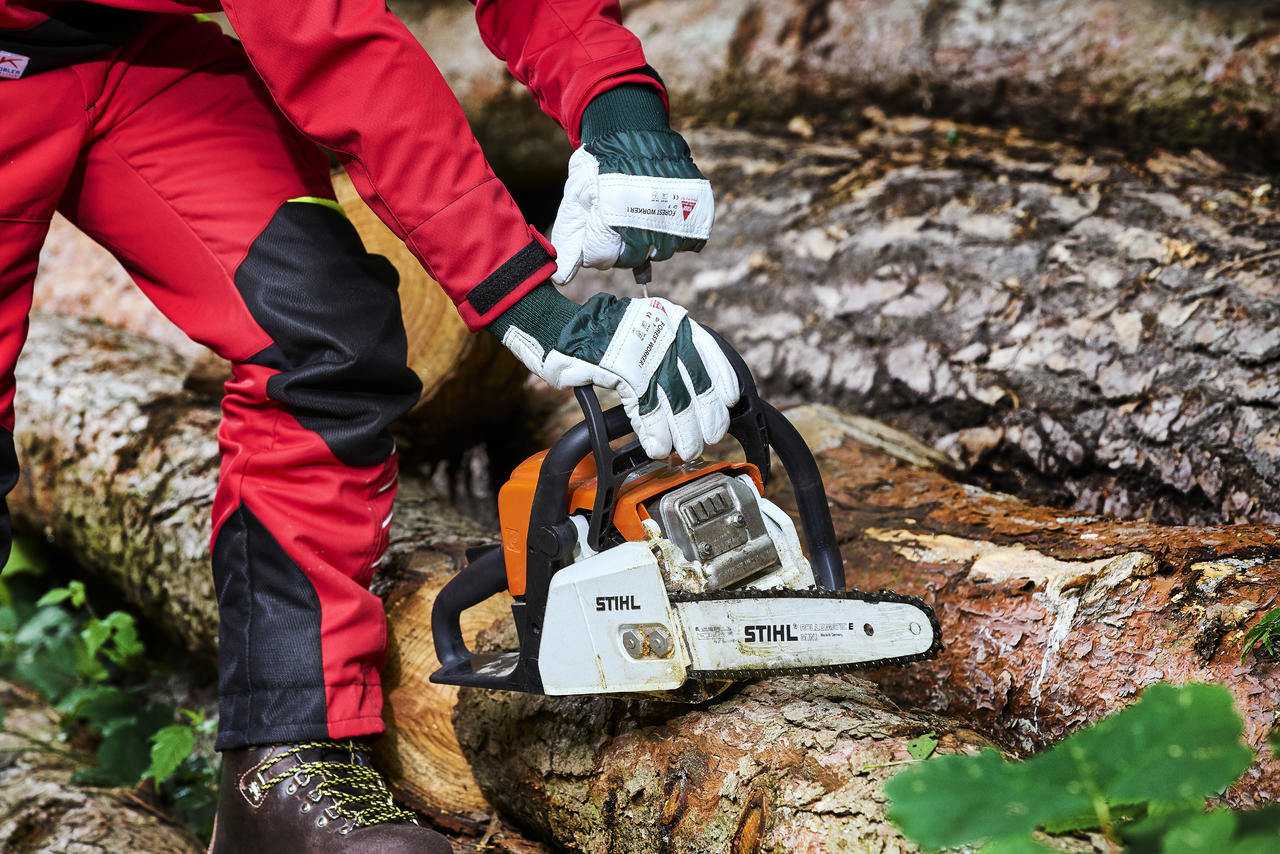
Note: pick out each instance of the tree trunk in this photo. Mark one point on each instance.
(42, 810)
(1081, 329)
(1133, 72)
(789, 764)
(1052, 620)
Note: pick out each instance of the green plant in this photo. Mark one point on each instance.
(1139, 777)
(95, 672)
(1265, 632)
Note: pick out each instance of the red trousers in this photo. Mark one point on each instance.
(171, 154)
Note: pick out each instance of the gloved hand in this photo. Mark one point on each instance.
(675, 383)
(633, 193)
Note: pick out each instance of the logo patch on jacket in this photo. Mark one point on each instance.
(687, 205)
(12, 65)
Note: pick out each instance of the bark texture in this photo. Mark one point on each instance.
(790, 764)
(1086, 330)
(41, 810)
(1052, 620)
(1140, 72)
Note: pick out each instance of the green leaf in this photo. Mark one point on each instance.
(1273, 739)
(1016, 845)
(169, 747)
(1266, 632)
(125, 648)
(105, 708)
(94, 634)
(922, 747)
(23, 559)
(1206, 833)
(1173, 745)
(56, 596)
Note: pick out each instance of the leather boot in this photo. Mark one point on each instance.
(320, 797)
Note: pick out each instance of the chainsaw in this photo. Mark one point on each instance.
(637, 577)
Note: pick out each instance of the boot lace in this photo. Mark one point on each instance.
(359, 796)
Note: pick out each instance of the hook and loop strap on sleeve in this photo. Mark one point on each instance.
(517, 270)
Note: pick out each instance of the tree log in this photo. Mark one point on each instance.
(1066, 601)
(789, 764)
(1052, 620)
(1134, 72)
(1074, 327)
(42, 810)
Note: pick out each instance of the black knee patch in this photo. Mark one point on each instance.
(334, 314)
(8, 480)
(270, 668)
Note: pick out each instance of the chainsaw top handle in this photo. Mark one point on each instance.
(755, 424)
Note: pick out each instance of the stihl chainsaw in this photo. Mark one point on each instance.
(632, 576)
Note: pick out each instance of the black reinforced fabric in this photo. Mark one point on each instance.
(8, 480)
(270, 669)
(485, 296)
(78, 32)
(334, 314)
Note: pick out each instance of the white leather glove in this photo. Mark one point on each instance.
(608, 218)
(675, 383)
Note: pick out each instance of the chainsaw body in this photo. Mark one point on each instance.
(632, 576)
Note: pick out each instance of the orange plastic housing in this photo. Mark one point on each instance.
(515, 500)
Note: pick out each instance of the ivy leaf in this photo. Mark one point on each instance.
(169, 747)
(1174, 744)
(922, 747)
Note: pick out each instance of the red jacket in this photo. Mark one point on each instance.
(351, 77)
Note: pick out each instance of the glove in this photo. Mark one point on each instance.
(675, 383)
(633, 193)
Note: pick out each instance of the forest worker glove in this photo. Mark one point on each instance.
(674, 380)
(633, 192)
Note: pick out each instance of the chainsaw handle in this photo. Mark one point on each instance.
(484, 577)
(754, 423)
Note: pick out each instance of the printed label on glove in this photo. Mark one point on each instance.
(13, 65)
(681, 206)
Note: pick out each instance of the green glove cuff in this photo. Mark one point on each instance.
(543, 313)
(631, 106)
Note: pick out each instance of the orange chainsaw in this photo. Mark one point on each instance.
(634, 576)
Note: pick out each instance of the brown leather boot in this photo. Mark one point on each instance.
(321, 797)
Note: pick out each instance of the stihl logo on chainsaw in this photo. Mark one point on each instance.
(12, 65)
(616, 603)
(768, 634)
(687, 206)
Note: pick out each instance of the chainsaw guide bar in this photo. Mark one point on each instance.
(702, 676)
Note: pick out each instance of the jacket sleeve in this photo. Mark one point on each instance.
(565, 51)
(351, 77)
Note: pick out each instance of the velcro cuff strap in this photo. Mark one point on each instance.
(514, 272)
(680, 206)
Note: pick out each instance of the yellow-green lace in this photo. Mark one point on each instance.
(358, 792)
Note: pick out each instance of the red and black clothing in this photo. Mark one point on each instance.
(180, 152)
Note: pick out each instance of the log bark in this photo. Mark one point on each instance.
(1085, 330)
(1052, 620)
(789, 764)
(42, 810)
(1134, 72)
